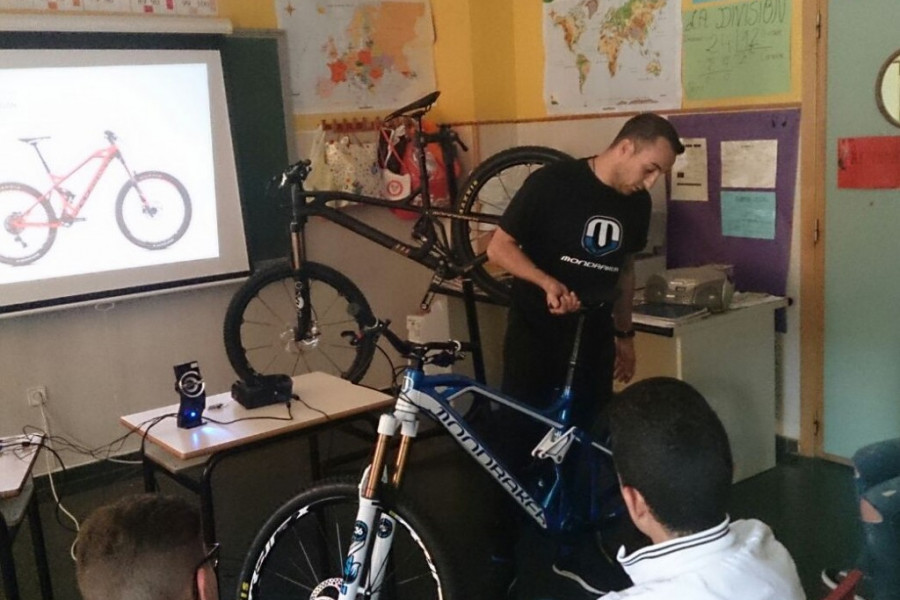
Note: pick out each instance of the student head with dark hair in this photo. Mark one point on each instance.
(671, 449)
(675, 468)
(145, 547)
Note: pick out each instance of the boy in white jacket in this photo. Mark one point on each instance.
(675, 470)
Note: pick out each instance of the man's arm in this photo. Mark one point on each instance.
(504, 251)
(626, 360)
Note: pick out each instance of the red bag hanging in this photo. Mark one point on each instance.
(400, 167)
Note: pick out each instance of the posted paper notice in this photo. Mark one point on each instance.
(690, 174)
(749, 163)
(748, 214)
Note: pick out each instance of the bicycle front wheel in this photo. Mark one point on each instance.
(265, 333)
(28, 224)
(488, 191)
(153, 210)
(300, 551)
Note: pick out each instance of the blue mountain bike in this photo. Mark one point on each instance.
(348, 539)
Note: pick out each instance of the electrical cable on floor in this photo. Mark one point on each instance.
(49, 445)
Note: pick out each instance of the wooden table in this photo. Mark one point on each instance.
(325, 401)
(17, 499)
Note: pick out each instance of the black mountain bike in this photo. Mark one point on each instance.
(300, 316)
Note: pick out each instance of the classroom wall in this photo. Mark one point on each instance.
(99, 362)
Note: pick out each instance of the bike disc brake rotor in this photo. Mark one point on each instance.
(330, 589)
(297, 345)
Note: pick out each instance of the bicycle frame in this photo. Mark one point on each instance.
(550, 508)
(432, 254)
(70, 210)
(434, 250)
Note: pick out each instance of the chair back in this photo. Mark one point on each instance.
(847, 588)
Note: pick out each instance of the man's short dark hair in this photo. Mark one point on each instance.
(145, 546)
(668, 444)
(647, 128)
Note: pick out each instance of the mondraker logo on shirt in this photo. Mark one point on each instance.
(601, 236)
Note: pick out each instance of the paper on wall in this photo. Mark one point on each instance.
(749, 163)
(690, 175)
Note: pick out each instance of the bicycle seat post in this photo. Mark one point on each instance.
(421, 153)
(573, 365)
(34, 144)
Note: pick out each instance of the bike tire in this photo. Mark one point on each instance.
(262, 317)
(167, 209)
(25, 198)
(488, 191)
(303, 545)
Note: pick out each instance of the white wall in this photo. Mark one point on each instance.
(102, 361)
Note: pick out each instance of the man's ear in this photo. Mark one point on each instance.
(207, 584)
(637, 506)
(626, 148)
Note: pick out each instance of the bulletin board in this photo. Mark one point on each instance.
(697, 233)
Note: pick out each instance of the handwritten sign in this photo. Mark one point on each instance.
(748, 214)
(739, 49)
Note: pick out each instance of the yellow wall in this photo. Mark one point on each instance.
(494, 58)
(454, 52)
(529, 63)
(249, 14)
(489, 57)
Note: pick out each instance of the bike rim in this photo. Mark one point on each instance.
(304, 557)
(270, 325)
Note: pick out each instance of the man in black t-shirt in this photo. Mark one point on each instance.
(569, 236)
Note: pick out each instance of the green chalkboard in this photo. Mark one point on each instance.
(253, 83)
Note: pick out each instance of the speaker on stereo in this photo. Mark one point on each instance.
(192, 390)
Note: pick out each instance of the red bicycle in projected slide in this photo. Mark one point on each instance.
(153, 208)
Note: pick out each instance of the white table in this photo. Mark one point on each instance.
(729, 358)
(17, 499)
(325, 400)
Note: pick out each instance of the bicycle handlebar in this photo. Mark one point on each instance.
(295, 173)
(440, 353)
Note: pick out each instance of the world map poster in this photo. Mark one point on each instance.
(612, 55)
(347, 56)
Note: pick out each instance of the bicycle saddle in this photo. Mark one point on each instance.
(34, 140)
(423, 104)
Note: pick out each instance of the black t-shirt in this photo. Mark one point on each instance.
(576, 229)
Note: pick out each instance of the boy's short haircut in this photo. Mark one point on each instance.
(144, 546)
(668, 443)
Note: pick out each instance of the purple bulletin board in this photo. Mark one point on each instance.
(694, 229)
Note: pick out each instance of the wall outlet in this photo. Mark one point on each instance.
(36, 395)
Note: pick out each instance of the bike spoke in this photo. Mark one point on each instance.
(301, 356)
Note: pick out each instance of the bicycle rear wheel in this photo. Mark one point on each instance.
(488, 191)
(27, 224)
(262, 324)
(300, 551)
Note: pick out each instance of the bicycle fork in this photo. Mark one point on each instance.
(373, 531)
